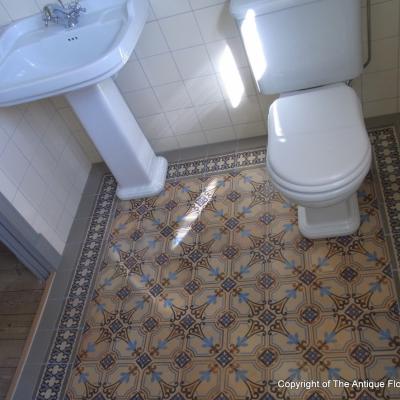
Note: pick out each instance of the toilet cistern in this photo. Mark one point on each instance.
(318, 150)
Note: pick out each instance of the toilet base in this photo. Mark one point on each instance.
(337, 220)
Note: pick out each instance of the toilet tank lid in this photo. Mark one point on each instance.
(239, 8)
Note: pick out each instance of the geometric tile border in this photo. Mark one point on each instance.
(72, 315)
(217, 164)
(386, 152)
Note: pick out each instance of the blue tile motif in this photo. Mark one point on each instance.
(71, 321)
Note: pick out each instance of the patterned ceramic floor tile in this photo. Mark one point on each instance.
(209, 291)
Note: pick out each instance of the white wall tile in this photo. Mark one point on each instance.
(26, 139)
(379, 85)
(151, 41)
(38, 115)
(44, 162)
(265, 103)
(132, 77)
(204, 90)
(247, 111)
(193, 62)
(220, 135)
(24, 207)
(164, 144)
(4, 138)
(379, 107)
(173, 96)
(8, 187)
(196, 4)
(151, 16)
(33, 187)
(59, 188)
(240, 78)
(385, 54)
(4, 17)
(64, 225)
(59, 102)
(143, 103)
(72, 201)
(51, 209)
(181, 31)
(192, 139)
(213, 116)
(13, 163)
(216, 23)
(88, 147)
(184, 121)
(17, 9)
(385, 19)
(164, 8)
(71, 119)
(251, 129)
(155, 126)
(217, 49)
(39, 134)
(54, 140)
(160, 69)
(10, 118)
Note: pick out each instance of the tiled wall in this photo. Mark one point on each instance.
(43, 169)
(379, 84)
(189, 81)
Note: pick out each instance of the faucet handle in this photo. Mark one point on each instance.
(46, 16)
(76, 6)
(61, 3)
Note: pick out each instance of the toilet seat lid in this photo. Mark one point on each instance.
(317, 137)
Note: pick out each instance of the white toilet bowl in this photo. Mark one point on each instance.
(318, 155)
(318, 149)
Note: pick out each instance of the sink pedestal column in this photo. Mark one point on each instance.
(119, 139)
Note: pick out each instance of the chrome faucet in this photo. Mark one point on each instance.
(64, 15)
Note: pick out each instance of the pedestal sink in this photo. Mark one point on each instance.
(38, 62)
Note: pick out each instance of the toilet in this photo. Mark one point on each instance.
(318, 151)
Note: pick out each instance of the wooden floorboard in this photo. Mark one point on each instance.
(15, 326)
(6, 375)
(21, 302)
(20, 294)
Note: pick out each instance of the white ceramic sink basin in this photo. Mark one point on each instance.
(37, 62)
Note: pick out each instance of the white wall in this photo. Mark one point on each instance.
(174, 81)
(43, 169)
(188, 57)
(379, 85)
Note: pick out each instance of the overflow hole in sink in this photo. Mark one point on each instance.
(71, 39)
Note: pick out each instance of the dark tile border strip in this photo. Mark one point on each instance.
(61, 353)
(68, 327)
(386, 154)
(217, 164)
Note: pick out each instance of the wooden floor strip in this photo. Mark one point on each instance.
(29, 339)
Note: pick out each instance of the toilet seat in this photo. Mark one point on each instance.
(320, 196)
(317, 139)
(318, 147)
(349, 180)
